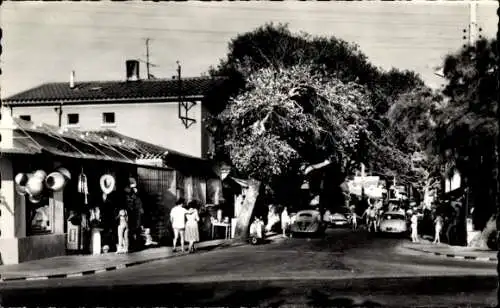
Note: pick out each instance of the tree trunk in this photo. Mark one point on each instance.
(481, 241)
(246, 211)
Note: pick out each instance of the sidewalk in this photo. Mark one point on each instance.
(448, 251)
(79, 265)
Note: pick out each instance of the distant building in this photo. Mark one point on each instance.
(166, 112)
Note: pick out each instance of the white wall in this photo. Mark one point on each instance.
(157, 123)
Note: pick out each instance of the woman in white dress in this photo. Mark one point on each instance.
(192, 234)
(285, 221)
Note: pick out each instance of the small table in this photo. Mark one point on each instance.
(225, 225)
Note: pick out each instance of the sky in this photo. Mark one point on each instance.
(45, 41)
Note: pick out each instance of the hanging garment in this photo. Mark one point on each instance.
(83, 186)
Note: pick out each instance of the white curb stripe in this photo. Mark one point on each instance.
(74, 275)
(100, 271)
(37, 278)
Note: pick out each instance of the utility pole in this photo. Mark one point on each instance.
(149, 65)
(473, 28)
(179, 81)
(147, 57)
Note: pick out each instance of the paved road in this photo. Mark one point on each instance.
(342, 267)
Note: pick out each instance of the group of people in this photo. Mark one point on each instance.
(184, 219)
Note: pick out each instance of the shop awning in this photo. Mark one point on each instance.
(30, 138)
(108, 145)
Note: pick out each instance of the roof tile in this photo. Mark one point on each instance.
(112, 90)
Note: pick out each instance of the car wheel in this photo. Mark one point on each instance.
(254, 241)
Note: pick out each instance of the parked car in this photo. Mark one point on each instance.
(339, 220)
(307, 221)
(394, 223)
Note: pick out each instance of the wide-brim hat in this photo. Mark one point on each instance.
(21, 179)
(107, 183)
(55, 181)
(40, 174)
(21, 190)
(20, 183)
(34, 186)
(35, 199)
(65, 172)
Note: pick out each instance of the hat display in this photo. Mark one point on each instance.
(65, 172)
(21, 179)
(35, 199)
(107, 183)
(55, 181)
(40, 174)
(34, 186)
(21, 190)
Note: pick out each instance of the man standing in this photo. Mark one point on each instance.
(135, 212)
(178, 220)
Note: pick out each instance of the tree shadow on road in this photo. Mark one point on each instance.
(320, 299)
(253, 298)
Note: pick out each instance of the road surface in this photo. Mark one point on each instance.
(343, 268)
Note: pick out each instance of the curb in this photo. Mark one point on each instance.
(116, 267)
(459, 257)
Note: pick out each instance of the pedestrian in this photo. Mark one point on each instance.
(371, 218)
(135, 212)
(192, 219)
(438, 227)
(285, 221)
(414, 227)
(354, 220)
(178, 220)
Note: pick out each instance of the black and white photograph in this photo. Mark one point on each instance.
(250, 153)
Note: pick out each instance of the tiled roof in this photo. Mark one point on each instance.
(113, 90)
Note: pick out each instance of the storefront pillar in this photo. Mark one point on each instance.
(188, 188)
(58, 204)
(12, 222)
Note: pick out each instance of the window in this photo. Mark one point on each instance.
(108, 118)
(73, 118)
(25, 117)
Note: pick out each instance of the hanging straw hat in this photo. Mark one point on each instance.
(21, 179)
(55, 181)
(34, 186)
(65, 172)
(107, 183)
(40, 174)
(35, 199)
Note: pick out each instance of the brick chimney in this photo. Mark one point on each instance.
(72, 80)
(132, 70)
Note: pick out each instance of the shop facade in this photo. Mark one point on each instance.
(59, 186)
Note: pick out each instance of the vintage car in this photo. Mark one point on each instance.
(307, 221)
(393, 222)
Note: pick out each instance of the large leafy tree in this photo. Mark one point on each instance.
(413, 119)
(468, 131)
(288, 117)
(275, 46)
(460, 128)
